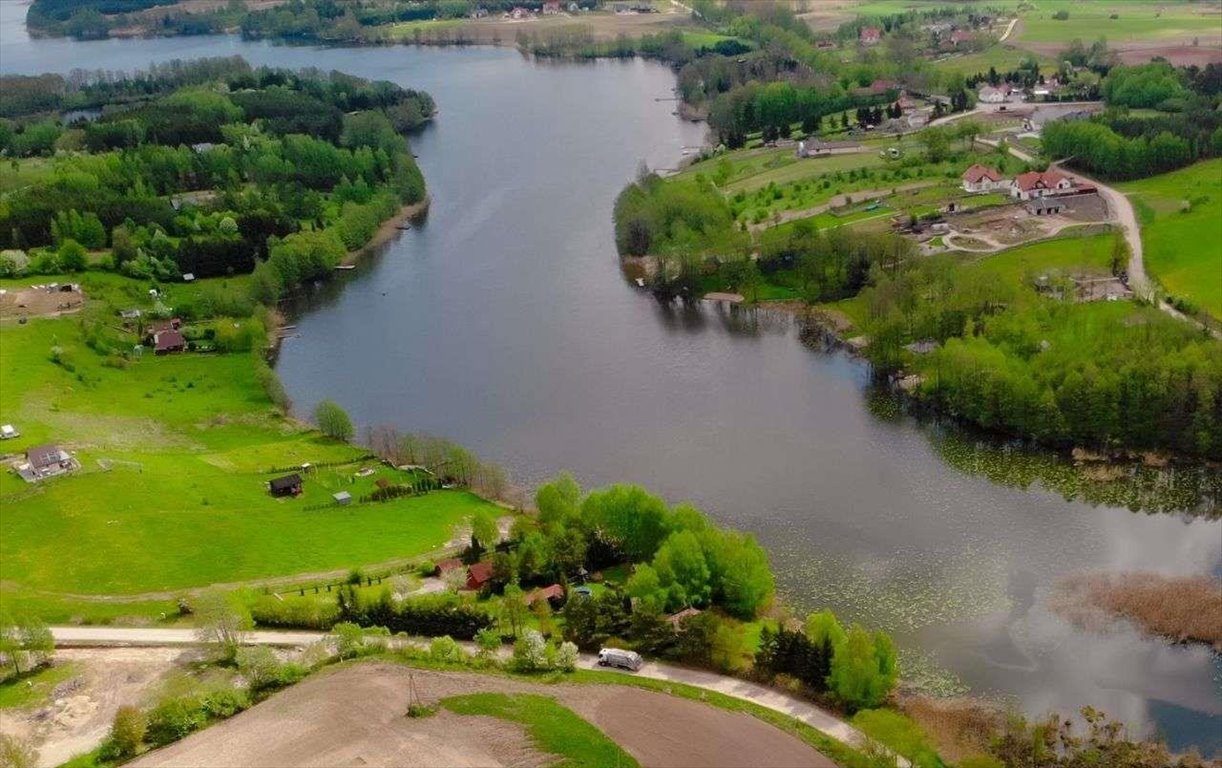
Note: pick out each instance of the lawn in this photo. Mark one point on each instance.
(175, 455)
(553, 728)
(15, 174)
(1013, 265)
(1180, 232)
(1003, 56)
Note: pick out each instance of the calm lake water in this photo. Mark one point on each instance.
(504, 323)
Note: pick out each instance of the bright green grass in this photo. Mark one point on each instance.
(30, 690)
(1013, 265)
(1135, 21)
(29, 171)
(1003, 56)
(175, 453)
(553, 728)
(1183, 249)
(899, 733)
(696, 38)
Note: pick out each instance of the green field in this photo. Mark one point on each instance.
(175, 454)
(1003, 56)
(553, 728)
(1135, 21)
(1180, 231)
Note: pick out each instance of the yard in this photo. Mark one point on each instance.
(1181, 238)
(176, 452)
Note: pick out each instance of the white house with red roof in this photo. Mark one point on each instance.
(1033, 184)
(981, 178)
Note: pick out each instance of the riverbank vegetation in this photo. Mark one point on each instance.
(1182, 609)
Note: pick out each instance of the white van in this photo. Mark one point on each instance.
(615, 657)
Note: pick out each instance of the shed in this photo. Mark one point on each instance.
(343, 498)
(553, 593)
(289, 485)
(8, 433)
(479, 574)
(1044, 206)
(676, 619)
(445, 566)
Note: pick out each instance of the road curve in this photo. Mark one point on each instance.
(1123, 215)
(816, 717)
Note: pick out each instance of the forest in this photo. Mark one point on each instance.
(212, 168)
(1118, 144)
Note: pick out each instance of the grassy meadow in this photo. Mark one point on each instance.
(1180, 231)
(176, 452)
(1144, 21)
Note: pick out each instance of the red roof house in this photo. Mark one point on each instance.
(1039, 183)
(981, 178)
(168, 342)
(870, 35)
(445, 566)
(479, 574)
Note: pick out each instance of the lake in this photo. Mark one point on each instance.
(504, 322)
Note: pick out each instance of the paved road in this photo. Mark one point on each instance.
(821, 720)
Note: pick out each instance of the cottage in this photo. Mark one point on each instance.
(676, 619)
(479, 574)
(1034, 184)
(44, 461)
(289, 485)
(981, 178)
(168, 342)
(814, 147)
(870, 35)
(1045, 206)
(553, 594)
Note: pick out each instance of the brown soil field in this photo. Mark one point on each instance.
(354, 715)
(1179, 53)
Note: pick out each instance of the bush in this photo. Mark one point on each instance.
(259, 666)
(225, 702)
(899, 733)
(127, 731)
(530, 652)
(446, 649)
(172, 719)
(296, 612)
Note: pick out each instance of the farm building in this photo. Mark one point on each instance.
(813, 147)
(1045, 206)
(289, 485)
(445, 566)
(479, 574)
(981, 178)
(45, 461)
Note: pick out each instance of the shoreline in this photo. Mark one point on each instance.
(387, 230)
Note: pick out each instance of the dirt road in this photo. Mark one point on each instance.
(772, 699)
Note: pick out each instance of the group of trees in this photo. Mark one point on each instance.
(653, 216)
(1117, 145)
(25, 643)
(266, 170)
(1018, 364)
(857, 666)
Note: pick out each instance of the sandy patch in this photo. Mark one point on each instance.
(80, 713)
(354, 715)
(40, 302)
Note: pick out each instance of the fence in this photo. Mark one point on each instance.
(322, 465)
